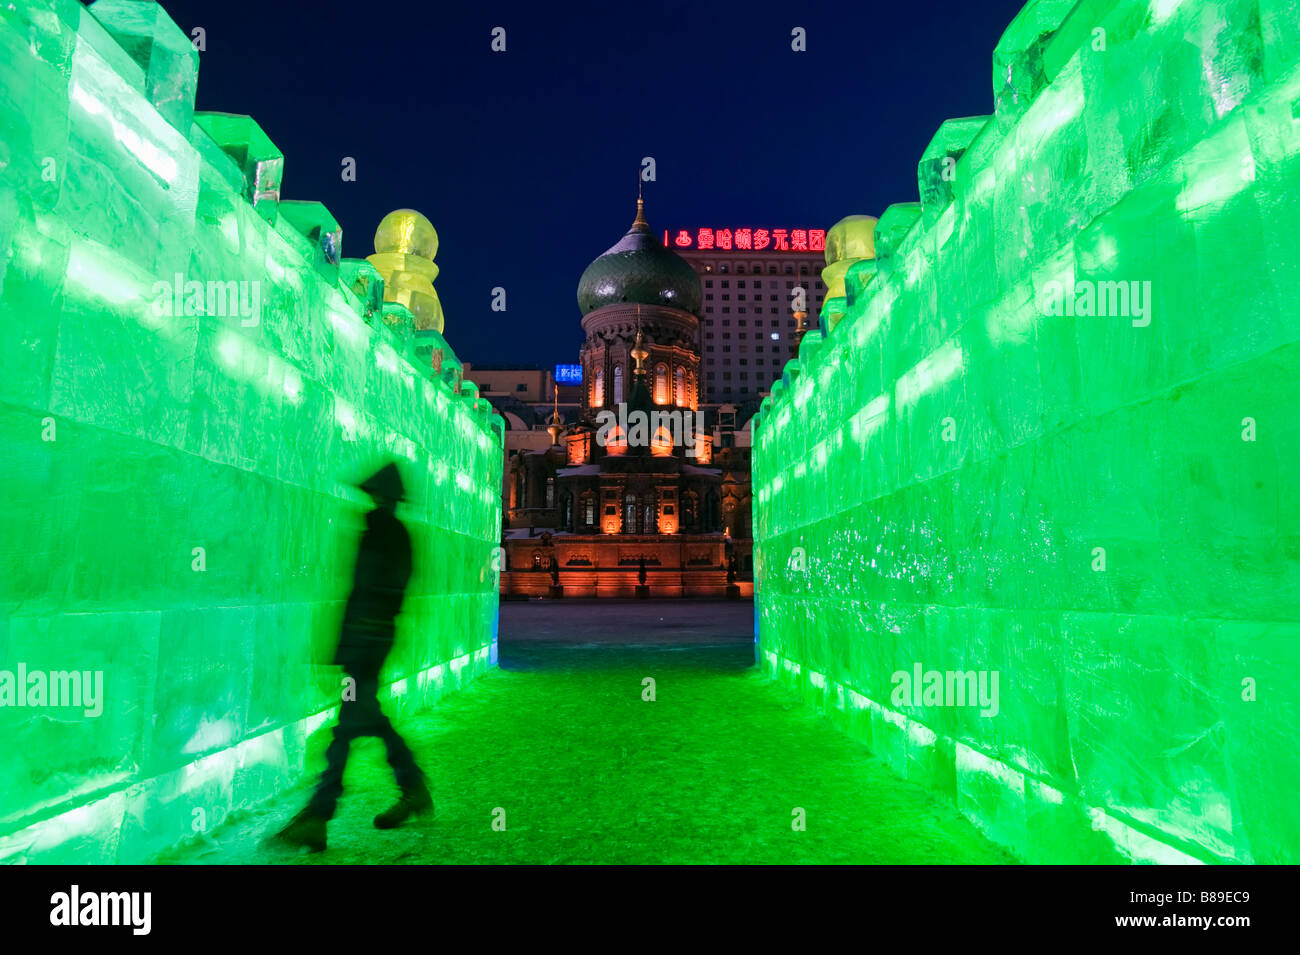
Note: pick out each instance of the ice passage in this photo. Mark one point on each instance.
(1044, 447)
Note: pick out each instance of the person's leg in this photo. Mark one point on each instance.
(308, 827)
(329, 788)
(400, 757)
(415, 796)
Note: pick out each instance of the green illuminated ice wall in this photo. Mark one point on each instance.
(1000, 459)
(177, 512)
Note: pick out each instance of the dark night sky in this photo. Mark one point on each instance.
(526, 161)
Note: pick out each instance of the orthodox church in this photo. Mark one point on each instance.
(633, 498)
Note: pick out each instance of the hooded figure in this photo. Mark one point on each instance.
(379, 579)
(382, 571)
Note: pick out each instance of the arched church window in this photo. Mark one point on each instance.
(661, 384)
(618, 384)
(566, 513)
(629, 514)
(598, 387)
(589, 509)
(679, 387)
(649, 517)
(550, 492)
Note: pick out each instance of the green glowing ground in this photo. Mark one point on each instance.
(587, 772)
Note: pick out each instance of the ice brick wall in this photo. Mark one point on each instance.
(1101, 506)
(176, 508)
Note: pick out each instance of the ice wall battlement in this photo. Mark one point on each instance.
(1050, 433)
(191, 378)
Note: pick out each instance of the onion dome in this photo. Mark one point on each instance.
(639, 270)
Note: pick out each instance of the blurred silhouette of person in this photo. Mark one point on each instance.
(382, 572)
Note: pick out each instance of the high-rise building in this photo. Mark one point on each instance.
(749, 327)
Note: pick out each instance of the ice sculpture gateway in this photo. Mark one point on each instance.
(190, 375)
(1048, 435)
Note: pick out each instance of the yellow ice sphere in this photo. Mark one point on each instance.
(853, 237)
(405, 230)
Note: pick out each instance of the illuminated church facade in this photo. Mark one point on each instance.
(640, 493)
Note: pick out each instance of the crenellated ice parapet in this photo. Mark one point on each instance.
(1050, 434)
(192, 378)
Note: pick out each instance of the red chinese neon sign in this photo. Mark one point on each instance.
(749, 239)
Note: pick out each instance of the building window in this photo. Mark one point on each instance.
(629, 514)
(618, 384)
(661, 384)
(689, 507)
(679, 387)
(598, 387)
(712, 511)
(550, 492)
(589, 509)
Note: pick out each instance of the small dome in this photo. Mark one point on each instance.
(639, 270)
(853, 237)
(405, 230)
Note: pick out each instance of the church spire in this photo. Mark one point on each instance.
(640, 219)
